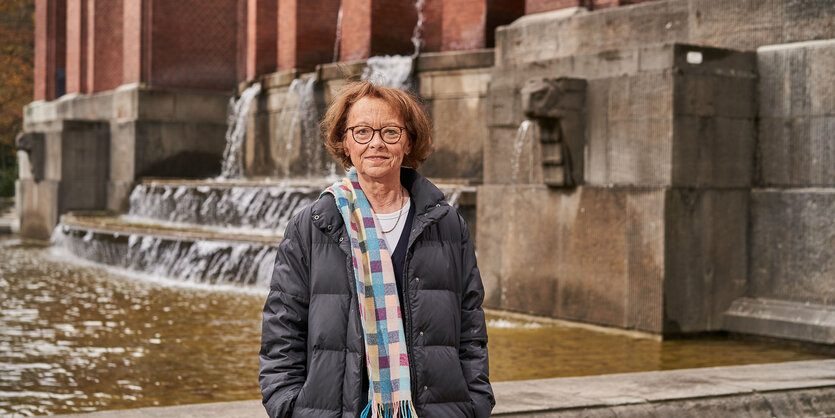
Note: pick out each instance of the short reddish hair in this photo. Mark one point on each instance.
(418, 127)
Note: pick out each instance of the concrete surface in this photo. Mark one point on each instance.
(796, 389)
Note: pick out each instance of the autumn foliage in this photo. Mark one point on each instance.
(17, 46)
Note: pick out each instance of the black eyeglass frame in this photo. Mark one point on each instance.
(378, 131)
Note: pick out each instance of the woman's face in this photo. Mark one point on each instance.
(376, 159)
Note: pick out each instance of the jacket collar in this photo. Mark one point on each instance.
(427, 198)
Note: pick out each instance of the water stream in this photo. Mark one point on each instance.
(232, 166)
(518, 144)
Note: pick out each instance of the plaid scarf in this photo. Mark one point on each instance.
(389, 388)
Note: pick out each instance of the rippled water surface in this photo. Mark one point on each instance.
(78, 338)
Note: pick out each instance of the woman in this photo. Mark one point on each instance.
(386, 234)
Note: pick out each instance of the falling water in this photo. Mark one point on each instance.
(298, 121)
(338, 34)
(389, 70)
(215, 262)
(263, 210)
(417, 33)
(236, 132)
(518, 144)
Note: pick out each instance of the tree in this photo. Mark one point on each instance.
(17, 54)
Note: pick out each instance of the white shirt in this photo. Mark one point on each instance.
(387, 221)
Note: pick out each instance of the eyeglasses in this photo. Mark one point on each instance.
(389, 134)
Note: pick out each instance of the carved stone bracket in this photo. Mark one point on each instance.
(34, 145)
(558, 105)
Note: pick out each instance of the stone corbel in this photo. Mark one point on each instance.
(558, 105)
(34, 145)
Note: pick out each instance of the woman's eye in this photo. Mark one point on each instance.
(362, 131)
(391, 131)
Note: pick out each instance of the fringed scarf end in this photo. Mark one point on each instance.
(402, 409)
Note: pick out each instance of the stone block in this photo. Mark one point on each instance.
(705, 257)
(589, 254)
(801, 321)
(122, 145)
(454, 83)
(118, 196)
(793, 245)
(639, 150)
(796, 151)
(177, 149)
(455, 60)
(740, 25)
(804, 20)
(210, 108)
(798, 114)
(794, 80)
(38, 208)
(715, 95)
(459, 129)
(713, 152)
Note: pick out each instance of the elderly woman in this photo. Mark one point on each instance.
(375, 300)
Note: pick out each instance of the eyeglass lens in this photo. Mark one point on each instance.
(389, 134)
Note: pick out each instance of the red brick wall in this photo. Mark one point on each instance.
(50, 46)
(501, 12)
(261, 30)
(538, 6)
(316, 32)
(307, 33)
(135, 33)
(355, 42)
(464, 25)
(434, 12)
(392, 23)
(77, 46)
(193, 44)
(105, 42)
(240, 41)
(287, 34)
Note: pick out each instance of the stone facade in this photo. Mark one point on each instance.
(98, 145)
(672, 229)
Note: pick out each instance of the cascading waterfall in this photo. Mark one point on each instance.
(518, 144)
(417, 33)
(299, 119)
(232, 166)
(338, 34)
(389, 70)
(263, 210)
(214, 262)
(395, 70)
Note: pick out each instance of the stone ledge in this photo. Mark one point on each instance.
(782, 319)
(803, 388)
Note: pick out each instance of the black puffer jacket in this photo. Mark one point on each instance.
(312, 347)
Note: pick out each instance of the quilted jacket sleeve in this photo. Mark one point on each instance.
(283, 354)
(473, 349)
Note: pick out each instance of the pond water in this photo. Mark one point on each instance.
(77, 337)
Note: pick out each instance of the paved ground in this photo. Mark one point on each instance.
(795, 389)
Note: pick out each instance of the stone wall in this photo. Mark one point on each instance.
(791, 287)
(452, 86)
(98, 145)
(657, 236)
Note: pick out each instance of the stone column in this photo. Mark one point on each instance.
(50, 48)
(307, 32)
(378, 27)
(261, 37)
(104, 44)
(77, 45)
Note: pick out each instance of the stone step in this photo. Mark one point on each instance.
(176, 252)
